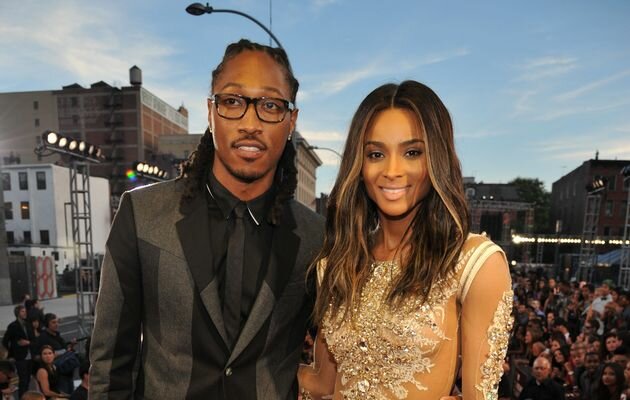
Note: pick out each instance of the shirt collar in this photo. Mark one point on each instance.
(257, 208)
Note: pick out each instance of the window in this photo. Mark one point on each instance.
(44, 237)
(6, 181)
(8, 210)
(27, 237)
(10, 237)
(36, 122)
(25, 209)
(612, 180)
(609, 208)
(75, 119)
(35, 105)
(626, 184)
(23, 179)
(55, 255)
(41, 180)
(74, 101)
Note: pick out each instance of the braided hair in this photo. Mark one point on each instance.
(195, 170)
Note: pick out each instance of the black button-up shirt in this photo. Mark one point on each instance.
(258, 233)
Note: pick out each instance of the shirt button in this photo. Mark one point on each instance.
(228, 371)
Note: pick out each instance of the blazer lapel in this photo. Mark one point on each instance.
(194, 236)
(284, 249)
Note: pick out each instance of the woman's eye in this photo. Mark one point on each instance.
(413, 153)
(374, 154)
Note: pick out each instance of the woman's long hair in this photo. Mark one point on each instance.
(195, 170)
(438, 231)
(601, 391)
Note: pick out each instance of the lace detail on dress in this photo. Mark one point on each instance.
(383, 348)
(498, 337)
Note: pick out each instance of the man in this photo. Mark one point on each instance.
(17, 340)
(204, 276)
(81, 392)
(603, 297)
(588, 379)
(540, 386)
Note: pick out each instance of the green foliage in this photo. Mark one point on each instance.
(533, 191)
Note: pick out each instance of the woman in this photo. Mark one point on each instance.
(47, 376)
(403, 285)
(610, 383)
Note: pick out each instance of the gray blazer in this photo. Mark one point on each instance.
(159, 330)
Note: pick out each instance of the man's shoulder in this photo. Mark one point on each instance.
(156, 191)
(303, 212)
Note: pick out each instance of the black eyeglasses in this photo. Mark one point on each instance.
(268, 109)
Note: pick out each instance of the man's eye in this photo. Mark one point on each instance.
(271, 106)
(231, 101)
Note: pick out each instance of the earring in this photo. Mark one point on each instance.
(289, 138)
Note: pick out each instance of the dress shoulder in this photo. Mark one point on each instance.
(477, 249)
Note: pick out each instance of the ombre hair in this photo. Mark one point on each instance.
(437, 232)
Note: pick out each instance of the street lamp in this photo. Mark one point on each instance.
(326, 148)
(200, 9)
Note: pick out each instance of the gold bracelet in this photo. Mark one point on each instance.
(306, 395)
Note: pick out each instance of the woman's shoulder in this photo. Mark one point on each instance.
(477, 250)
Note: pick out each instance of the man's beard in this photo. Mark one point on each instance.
(243, 175)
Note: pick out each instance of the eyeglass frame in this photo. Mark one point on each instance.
(289, 105)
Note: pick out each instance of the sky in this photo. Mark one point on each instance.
(534, 87)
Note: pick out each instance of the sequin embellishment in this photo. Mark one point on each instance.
(383, 348)
(498, 338)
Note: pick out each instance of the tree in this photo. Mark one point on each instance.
(532, 190)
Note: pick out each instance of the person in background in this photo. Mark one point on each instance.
(81, 392)
(588, 379)
(47, 375)
(17, 340)
(610, 383)
(31, 395)
(541, 386)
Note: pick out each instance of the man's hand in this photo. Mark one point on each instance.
(23, 342)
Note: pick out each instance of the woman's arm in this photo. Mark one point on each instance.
(318, 379)
(44, 386)
(486, 324)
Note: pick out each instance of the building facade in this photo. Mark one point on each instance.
(125, 122)
(568, 198)
(37, 212)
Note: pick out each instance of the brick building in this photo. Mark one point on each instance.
(568, 197)
(126, 122)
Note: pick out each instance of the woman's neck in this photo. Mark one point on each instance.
(391, 237)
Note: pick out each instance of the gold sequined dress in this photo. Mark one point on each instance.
(412, 352)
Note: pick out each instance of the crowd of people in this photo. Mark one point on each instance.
(570, 340)
(36, 362)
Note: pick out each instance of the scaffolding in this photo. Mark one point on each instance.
(509, 210)
(588, 255)
(624, 263)
(86, 273)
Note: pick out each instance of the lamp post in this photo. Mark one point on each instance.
(200, 9)
(327, 149)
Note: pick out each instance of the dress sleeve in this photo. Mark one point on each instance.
(486, 321)
(116, 334)
(318, 379)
